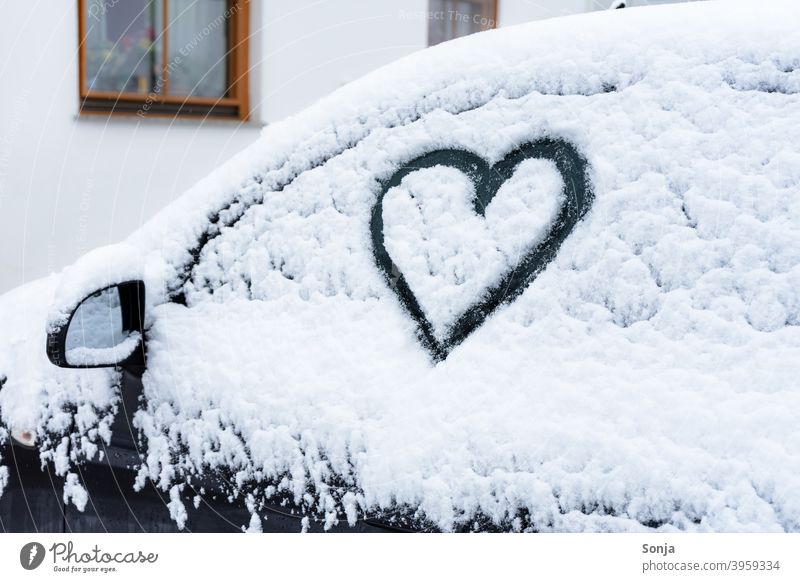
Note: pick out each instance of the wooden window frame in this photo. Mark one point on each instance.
(234, 106)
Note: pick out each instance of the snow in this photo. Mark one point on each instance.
(88, 356)
(646, 379)
(447, 252)
(95, 335)
(3, 470)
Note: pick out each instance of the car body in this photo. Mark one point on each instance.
(539, 279)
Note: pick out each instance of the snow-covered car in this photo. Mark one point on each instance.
(545, 278)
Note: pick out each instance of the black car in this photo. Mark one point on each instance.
(537, 279)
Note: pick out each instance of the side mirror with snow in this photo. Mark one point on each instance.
(105, 329)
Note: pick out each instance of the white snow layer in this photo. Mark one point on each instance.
(647, 378)
(86, 356)
(3, 477)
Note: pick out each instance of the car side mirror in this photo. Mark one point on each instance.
(105, 329)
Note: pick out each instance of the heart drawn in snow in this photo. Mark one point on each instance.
(577, 197)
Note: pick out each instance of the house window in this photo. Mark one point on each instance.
(164, 57)
(449, 19)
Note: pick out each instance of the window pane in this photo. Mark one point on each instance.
(449, 19)
(122, 54)
(198, 47)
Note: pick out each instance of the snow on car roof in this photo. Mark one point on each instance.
(647, 378)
